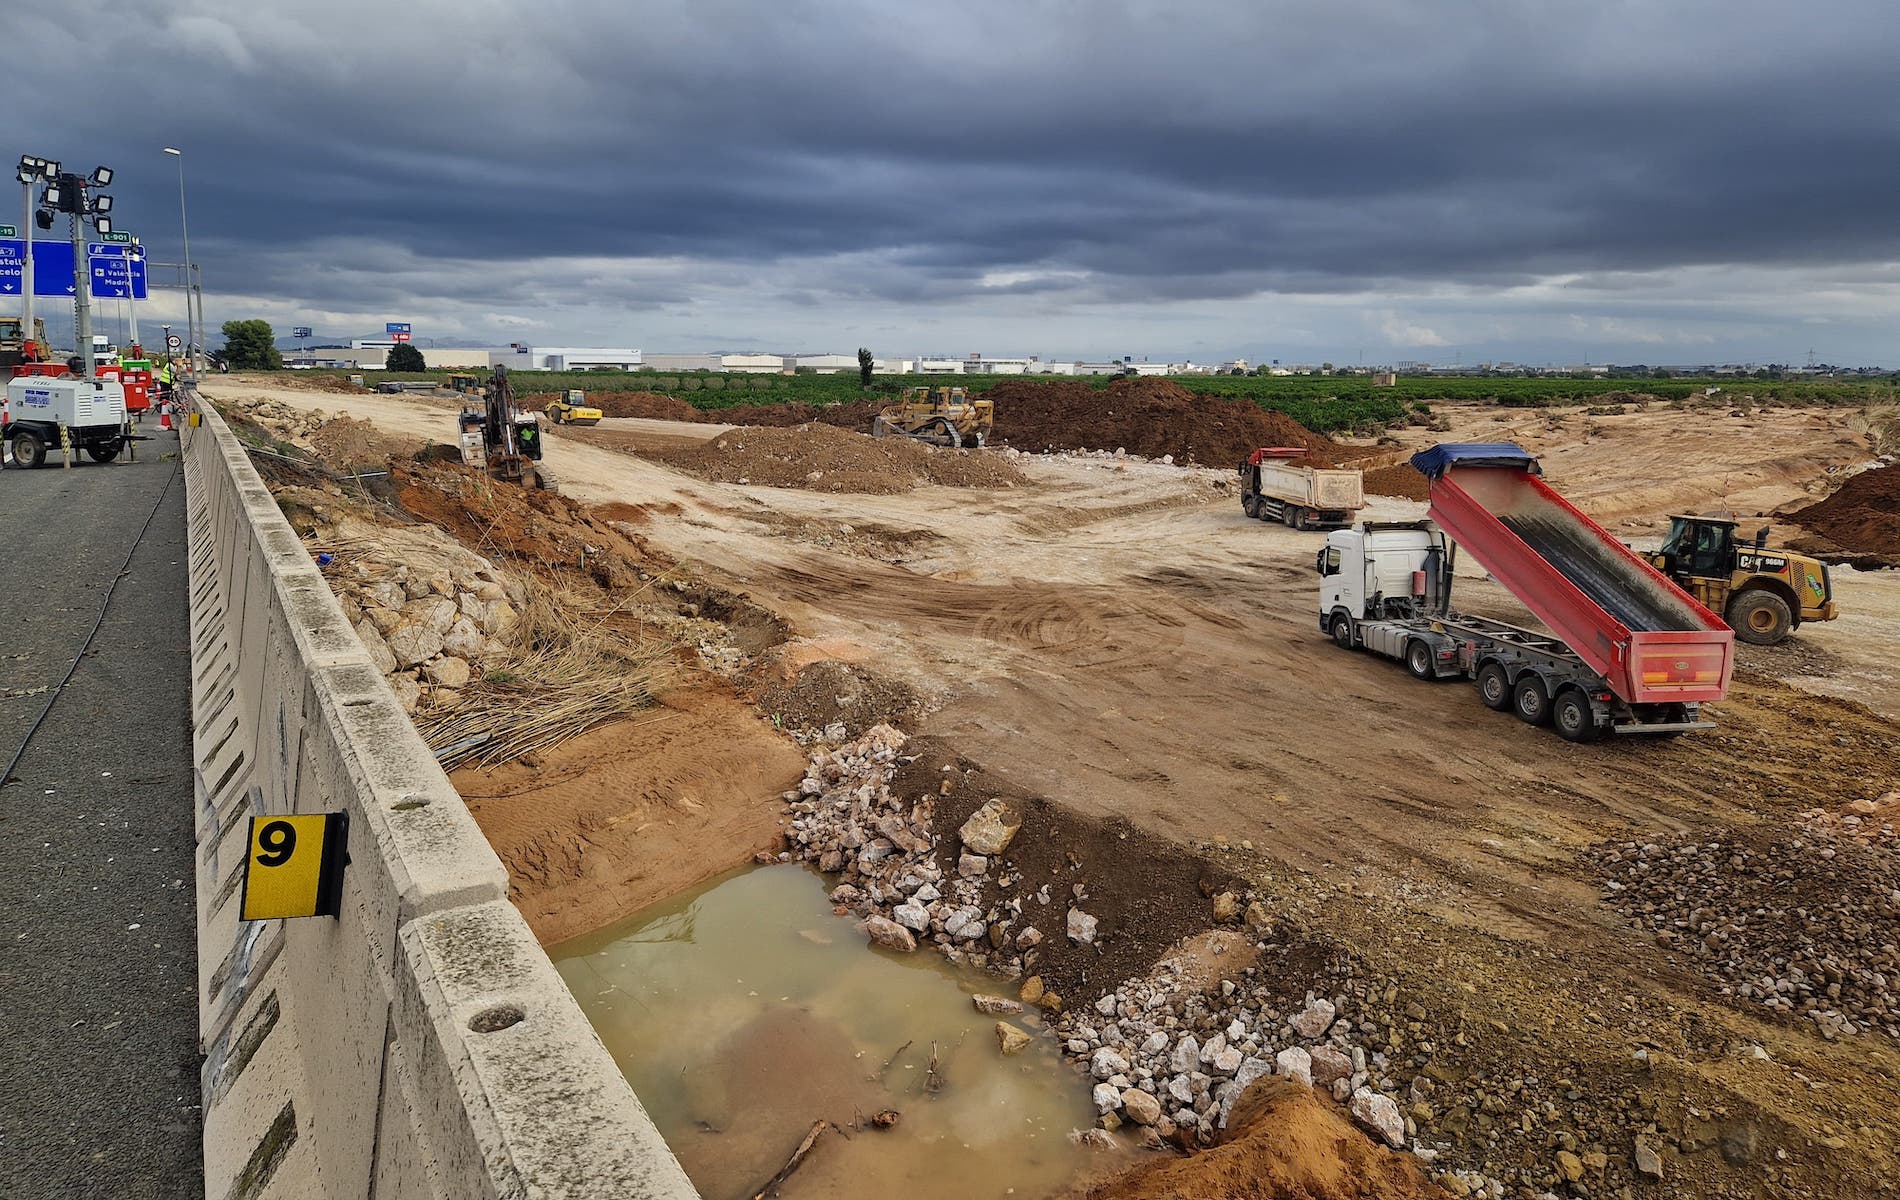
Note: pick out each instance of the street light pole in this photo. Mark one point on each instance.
(184, 226)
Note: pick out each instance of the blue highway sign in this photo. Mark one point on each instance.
(116, 275)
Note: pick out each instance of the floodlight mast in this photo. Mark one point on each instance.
(32, 170)
(74, 202)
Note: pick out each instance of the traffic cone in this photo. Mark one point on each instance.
(165, 415)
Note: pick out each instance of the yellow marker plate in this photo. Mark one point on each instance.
(294, 866)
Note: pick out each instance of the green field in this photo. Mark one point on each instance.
(1325, 404)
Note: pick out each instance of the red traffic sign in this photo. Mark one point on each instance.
(399, 336)
(174, 341)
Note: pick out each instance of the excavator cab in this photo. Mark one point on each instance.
(1763, 594)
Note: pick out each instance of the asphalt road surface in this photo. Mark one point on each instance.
(98, 968)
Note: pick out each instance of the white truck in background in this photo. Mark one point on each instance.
(38, 407)
(1272, 488)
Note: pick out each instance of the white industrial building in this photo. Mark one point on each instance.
(521, 357)
(683, 362)
(372, 354)
(758, 364)
(826, 364)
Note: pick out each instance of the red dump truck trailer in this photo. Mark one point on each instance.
(1628, 651)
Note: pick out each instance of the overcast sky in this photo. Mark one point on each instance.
(1656, 181)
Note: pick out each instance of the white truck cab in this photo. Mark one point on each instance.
(1379, 570)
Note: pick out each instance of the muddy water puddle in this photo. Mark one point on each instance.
(746, 1010)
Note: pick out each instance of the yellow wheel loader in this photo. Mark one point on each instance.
(572, 409)
(1763, 594)
(944, 416)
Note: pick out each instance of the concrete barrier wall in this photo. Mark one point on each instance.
(421, 1044)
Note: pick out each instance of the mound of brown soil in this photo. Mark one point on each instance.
(650, 405)
(544, 532)
(828, 691)
(1149, 417)
(824, 459)
(1399, 479)
(1284, 1143)
(348, 444)
(856, 415)
(1862, 519)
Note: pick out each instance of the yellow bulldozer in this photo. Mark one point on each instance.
(944, 416)
(1763, 594)
(572, 409)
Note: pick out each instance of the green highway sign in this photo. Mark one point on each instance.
(8, 231)
(118, 236)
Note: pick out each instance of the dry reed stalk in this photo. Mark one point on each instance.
(572, 675)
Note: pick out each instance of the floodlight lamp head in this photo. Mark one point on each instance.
(101, 176)
(102, 224)
(43, 219)
(102, 204)
(52, 197)
(25, 176)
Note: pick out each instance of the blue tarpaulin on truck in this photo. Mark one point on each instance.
(1443, 457)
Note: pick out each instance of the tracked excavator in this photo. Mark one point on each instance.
(944, 416)
(500, 438)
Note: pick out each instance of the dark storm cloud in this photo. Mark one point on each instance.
(1126, 151)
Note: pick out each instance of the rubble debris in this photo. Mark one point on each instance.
(1800, 925)
(990, 828)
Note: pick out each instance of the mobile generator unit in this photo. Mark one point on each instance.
(39, 407)
(1629, 651)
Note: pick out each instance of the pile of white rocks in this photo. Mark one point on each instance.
(1170, 1057)
(1167, 1058)
(292, 426)
(428, 630)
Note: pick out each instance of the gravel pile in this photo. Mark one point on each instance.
(1168, 1053)
(1168, 1060)
(1805, 926)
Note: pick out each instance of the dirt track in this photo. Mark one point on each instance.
(1120, 638)
(1117, 637)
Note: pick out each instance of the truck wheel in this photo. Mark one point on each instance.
(1573, 717)
(1759, 617)
(1531, 700)
(28, 450)
(1342, 631)
(1263, 508)
(1494, 686)
(1249, 502)
(1418, 660)
(104, 451)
